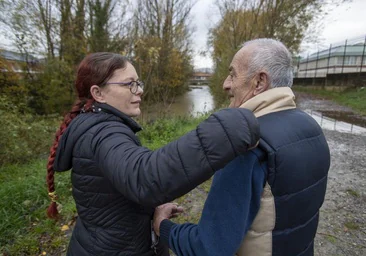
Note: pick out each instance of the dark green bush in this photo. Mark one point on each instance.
(23, 136)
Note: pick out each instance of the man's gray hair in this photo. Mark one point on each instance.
(273, 57)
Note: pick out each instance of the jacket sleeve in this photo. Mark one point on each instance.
(229, 211)
(152, 178)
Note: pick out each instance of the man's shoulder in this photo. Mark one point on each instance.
(287, 127)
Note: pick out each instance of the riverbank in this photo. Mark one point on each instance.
(24, 229)
(352, 98)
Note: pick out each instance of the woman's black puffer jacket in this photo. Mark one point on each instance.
(116, 183)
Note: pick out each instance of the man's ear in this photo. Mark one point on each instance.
(97, 94)
(262, 83)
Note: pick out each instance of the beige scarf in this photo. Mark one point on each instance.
(272, 100)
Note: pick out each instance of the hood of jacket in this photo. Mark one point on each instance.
(82, 123)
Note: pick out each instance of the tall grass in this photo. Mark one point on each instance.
(24, 228)
(163, 131)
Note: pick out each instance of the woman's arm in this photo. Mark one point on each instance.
(229, 211)
(152, 178)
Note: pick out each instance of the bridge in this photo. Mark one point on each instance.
(199, 82)
(200, 78)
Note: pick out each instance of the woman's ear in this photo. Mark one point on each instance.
(97, 94)
(262, 83)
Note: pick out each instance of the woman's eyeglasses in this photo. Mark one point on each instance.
(133, 85)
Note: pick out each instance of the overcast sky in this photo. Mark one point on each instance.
(344, 21)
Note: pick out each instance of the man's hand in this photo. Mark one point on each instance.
(165, 211)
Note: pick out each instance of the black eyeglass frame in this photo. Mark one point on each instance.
(133, 85)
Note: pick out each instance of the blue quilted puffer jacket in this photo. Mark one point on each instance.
(298, 161)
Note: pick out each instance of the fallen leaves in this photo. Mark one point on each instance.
(65, 228)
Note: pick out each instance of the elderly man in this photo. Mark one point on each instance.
(267, 201)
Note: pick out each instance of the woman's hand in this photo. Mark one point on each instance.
(165, 211)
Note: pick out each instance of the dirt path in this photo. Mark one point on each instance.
(342, 225)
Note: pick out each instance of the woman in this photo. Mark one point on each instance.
(116, 182)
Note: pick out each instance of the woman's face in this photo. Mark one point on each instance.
(119, 96)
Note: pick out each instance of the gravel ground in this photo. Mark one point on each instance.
(342, 225)
(342, 228)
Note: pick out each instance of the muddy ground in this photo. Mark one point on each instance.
(342, 225)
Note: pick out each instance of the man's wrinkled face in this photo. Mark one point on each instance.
(238, 85)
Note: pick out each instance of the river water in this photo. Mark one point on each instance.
(198, 100)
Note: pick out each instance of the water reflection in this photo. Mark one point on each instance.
(334, 124)
(345, 116)
(194, 102)
(199, 99)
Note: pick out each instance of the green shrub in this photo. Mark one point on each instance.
(23, 136)
(165, 130)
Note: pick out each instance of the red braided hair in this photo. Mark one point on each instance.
(77, 107)
(95, 69)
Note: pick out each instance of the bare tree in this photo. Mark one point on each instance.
(243, 20)
(162, 49)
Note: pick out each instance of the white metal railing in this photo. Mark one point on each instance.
(334, 124)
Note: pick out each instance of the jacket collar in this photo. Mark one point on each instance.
(98, 107)
(272, 100)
